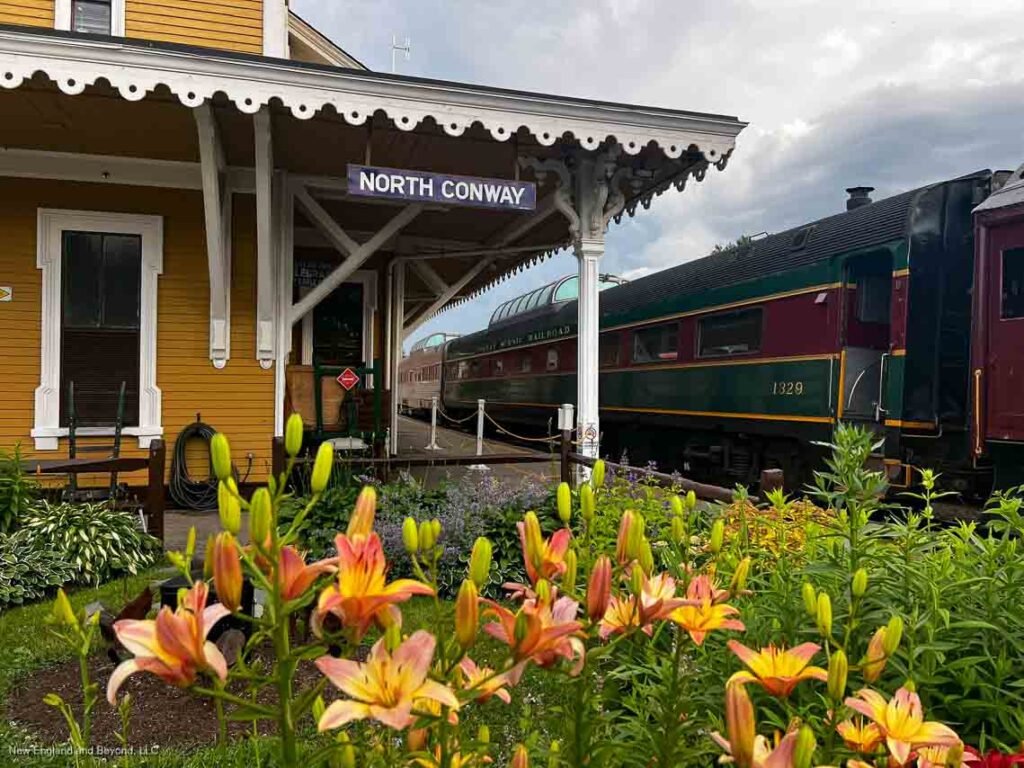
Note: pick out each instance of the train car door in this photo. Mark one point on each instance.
(1004, 363)
(867, 297)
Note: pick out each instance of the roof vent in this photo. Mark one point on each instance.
(858, 196)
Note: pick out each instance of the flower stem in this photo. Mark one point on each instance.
(285, 670)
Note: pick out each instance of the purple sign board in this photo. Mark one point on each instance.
(444, 188)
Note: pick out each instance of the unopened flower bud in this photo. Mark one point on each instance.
(635, 540)
(677, 529)
(893, 635)
(824, 614)
(220, 456)
(435, 526)
(859, 583)
(483, 734)
(803, 751)
(717, 537)
(636, 580)
(426, 536)
(838, 670)
(599, 588)
(622, 541)
(569, 577)
(293, 435)
(564, 498)
(480, 562)
(691, 501)
(322, 467)
(260, 515)
(521, 758)
(227, 571)
(318, 708)
(554, 755)
(410, 535)
(597, 475)
(874, 660)
(739, 576)
(810, 598)
(646, 557)
(392, 636)
(533, 538)
(543, 590)
(675, 504)
(521, 628)
(467, 614)
(587, 504)
(361, 522)
(229, 508)
(740, 724)
(62, 610)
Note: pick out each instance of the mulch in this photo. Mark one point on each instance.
(160, 714)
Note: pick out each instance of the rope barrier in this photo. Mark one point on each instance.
(510, 433)
(440, 410)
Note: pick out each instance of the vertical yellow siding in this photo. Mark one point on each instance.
(34, 13)
(235, 25)
(238, 399)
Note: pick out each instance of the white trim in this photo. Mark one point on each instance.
(275, 28)
(135, 70)
(50, 224)
(62, 16)
(266, 243)
(285, 266)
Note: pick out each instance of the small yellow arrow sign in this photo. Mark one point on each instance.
(6, 293)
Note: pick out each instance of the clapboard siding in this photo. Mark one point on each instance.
(238, 399)
(235, 25)
(33, 13)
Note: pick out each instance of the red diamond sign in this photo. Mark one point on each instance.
(348, 378)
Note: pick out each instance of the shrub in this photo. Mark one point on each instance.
(17, 490)
(29, 568)
(97, 540)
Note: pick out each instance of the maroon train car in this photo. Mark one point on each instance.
(997, 348)
(419, 373)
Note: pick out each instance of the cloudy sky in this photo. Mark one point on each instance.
(885, 94)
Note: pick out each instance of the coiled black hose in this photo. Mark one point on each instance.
(200, 495)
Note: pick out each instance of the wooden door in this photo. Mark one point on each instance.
(1005, 350)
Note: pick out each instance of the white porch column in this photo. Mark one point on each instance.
(588, 252)
(397, 326)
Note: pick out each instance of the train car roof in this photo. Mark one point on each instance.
(432, 341)
(1009, 194)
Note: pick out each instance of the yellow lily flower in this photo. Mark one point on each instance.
(657, 601)
(859, 736)
(902, 723)
(705, 615)
(174, 646)
(387, 686)
(484, 682)
(777, 670)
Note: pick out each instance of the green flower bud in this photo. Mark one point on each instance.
(483, 735)
(521, 628)
(564, 497)
(635, 539)
(859, 584)
(260, 516)
(272, 485)
(410, 535)
(393, 636)
(676, 504)
(480, 562)
(62, 610)
(220, 456)
(636, 580)
(190, 543)
(717, 536)
(678, 530)
(229, 507)
(318, 708)
(293, 435)
(435, 526)
(739, 576)
(810, 598)
(838, 670)
(569, 577)
(587, 504)
(597, 475)
(322, 467)
(543, 590)
(426, 536)
(646, 557)
(893, 635)
(208, 557)
(803, 751)
(824, 614)
(691, 501)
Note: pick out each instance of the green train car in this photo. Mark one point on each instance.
(746, 359)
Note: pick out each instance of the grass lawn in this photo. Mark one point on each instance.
(28, 645)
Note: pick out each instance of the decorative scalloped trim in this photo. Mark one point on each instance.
(74, 64)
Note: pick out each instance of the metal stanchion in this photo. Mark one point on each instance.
(480, 436)
(433, 446)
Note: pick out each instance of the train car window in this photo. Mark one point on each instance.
(526, 363)
(732, 333)
(474, 369)
(552, 359)
(657, 344)
(568, 290)
(463, 370)
(534, 301)
(1013, 284)
(608, 352)
(873, 296)
(499, 366)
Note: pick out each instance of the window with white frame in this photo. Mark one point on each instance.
(97, 17)
(99, 283)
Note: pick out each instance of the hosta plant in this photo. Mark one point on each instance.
(98, 541)
(29, 568)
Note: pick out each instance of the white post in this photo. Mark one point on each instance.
(588, 253)
(480, 405)
(397, 322)
(565, 413)
(433, 446)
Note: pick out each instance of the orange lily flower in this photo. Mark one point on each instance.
(873, 663)
(173, 646)
(544, 636)
(387, 686)
(361, 593)
(544, 559)
(939, 757)
(705, 615)
(227, 571)
(859, 736)
(777, 670)
(657, 602)
(483, 681)
(293, 575)
(901, 721)
(762, 756)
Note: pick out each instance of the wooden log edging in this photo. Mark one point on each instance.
(702, 490)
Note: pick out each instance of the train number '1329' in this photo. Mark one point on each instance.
(787, 387)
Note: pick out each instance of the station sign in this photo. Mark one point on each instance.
(428, 187)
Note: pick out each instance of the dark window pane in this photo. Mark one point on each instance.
(873, 294)
(1013, 283)
(121, 273)
(735, 333)
(338, 327)
(651, 345)
(609, 350)
(91, 16)
(81, 268)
